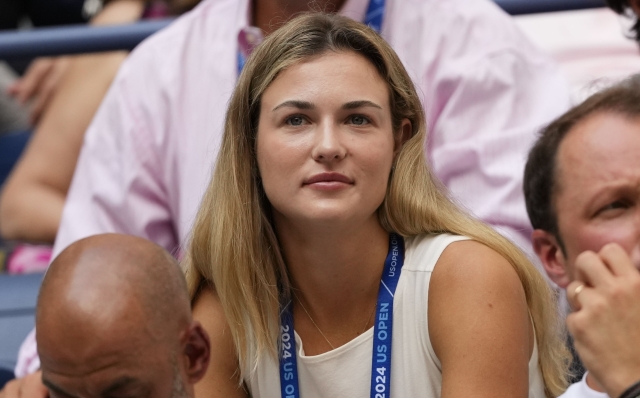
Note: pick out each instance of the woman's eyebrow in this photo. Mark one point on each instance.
(295, 104)
(360, 104)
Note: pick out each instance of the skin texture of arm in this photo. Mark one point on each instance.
(33, 197)
(221, 379)
(479, 324)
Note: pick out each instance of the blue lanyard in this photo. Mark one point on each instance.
(373, 18)
(382, 331)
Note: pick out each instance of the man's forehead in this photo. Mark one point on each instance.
(600, 148)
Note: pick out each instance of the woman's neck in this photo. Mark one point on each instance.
(268, 15)
(335, 271)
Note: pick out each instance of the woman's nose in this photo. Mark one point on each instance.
(328, 145)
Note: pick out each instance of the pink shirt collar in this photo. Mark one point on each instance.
(250, 36)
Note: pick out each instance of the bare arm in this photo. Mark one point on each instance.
(479, 324)
(222, 377)
(33, 197)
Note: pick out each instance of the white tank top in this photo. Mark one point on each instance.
(416, 371)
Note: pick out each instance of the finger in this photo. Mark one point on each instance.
(12, 90)
(32, 79)
(11, 389)
(32, 386)
(592, 270)
(617, 259)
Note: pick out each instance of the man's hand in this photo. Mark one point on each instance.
(27, 387)
(39, 83)
(606, 321)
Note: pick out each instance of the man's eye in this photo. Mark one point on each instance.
(359, 120)
(616, 205)
(295, 121)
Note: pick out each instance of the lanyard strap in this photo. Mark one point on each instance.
(382, 331)
(383, 323)
(373, 18)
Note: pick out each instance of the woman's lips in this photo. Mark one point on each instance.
(328, 181)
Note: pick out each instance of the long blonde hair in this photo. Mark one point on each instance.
(233, 245)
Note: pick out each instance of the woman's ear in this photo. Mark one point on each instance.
(403, 135)
(197, 351)
(551, 256)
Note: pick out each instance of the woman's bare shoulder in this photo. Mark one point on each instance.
(471, 262)
(479, 322)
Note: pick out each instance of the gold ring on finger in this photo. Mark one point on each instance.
(577, 291)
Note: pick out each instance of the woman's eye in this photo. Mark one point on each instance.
(295, 121)
(358, 120)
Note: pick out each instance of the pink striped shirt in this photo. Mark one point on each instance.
(148, 154)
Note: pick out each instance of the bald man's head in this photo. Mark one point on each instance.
(114, 313)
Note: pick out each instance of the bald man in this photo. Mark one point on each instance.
(114, 319)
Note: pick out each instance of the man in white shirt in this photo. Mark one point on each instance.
(582, 189)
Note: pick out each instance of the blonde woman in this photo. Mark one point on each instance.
(322, 216)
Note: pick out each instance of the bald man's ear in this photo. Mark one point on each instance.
(550, 254)
(197, 350)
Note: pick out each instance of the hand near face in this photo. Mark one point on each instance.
(27, 387)
(606, 321)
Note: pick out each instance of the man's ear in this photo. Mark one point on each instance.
(550, 254)
(197, 350)
(402, 136)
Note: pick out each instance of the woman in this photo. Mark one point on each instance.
(321, 165)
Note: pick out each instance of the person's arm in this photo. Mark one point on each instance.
(33, 197)
(606, 321)
(42, 79)
(222, 377)
(479, 324)
(491, 110)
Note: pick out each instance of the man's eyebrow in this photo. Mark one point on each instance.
(55, 388)
(295, 104)
(122, 382)
(360, 104)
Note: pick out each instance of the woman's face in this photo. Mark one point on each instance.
(325, 144)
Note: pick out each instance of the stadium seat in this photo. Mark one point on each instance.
(11, 146)
(18, 295)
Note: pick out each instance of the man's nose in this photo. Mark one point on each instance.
(328, 145)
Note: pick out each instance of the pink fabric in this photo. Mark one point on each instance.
(27, 259)
(156, 9)
(590, 45)
(148, 154)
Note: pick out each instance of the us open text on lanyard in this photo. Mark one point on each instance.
(374, 17)
(382, 331)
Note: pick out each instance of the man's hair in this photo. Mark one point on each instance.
(540, 175)
(623, 7)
